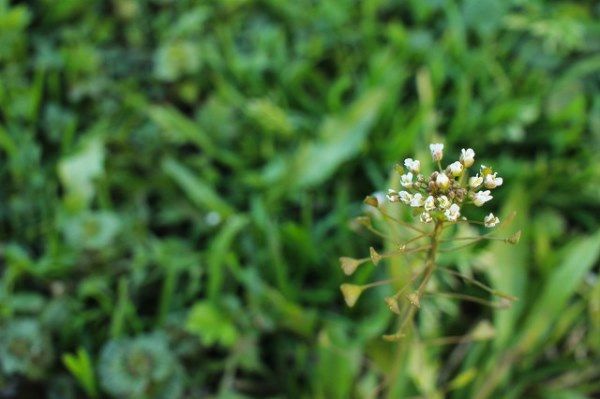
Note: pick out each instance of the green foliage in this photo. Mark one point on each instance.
(191, 167)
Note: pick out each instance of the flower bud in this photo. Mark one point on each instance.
(467, 157)
(456, 168)
(442, 181)
(437, 151)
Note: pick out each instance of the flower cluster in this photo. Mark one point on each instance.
(442, 195)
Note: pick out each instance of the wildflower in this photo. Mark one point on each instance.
(405, 197)
(417, 200)
(456, 168)
(425, 217)
(392, 195)
(481, 197)
(475, 181)
(491, 181)
(442, 181)
(412, 164)
(429, 203)
(467, 157)
(437, 151)
(491, 220)
(406, 180)
(443, 202)
(452, 213)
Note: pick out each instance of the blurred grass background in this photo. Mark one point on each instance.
(178, 179)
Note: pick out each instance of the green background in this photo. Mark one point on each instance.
(178, 178)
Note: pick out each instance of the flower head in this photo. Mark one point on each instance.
(437, 151)
(452, 213)
(467, 157)
(491, 220)
(481, 197)
(412, 164)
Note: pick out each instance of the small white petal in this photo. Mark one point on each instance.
(442, 180)
(467, 157)
(475, 181)
(456, 168)
(425, 217)
(452, 213)
(405, 197)
(417, 200)
(491, 220)
(412, 164)
(406, 180)
(481, 197)
(437, 151)
(443, 202)
(429, 203)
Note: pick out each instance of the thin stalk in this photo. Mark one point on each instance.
(408, 317)
(401, 222)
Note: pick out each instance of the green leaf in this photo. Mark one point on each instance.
(80, 365)
(579, 258)
(211, 325)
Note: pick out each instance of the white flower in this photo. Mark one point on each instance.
(491, 181)
(406, 180)
(437, 151)
(481, 197)
(443, 202)
(491, 220)
(405, 197)
(425, 217)
(417, 200)
(413, 164)
(467, 157)
(442, 180)
(429, 203)
(452, 213)
(475, 181)
(456, 168)
(392, 195)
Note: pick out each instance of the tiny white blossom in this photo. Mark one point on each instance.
(491, 220)
(392, 195)
(417, 200)
(491, 181)
(425, 217)
(442, 180)
(406, 180)
(475, 181)
(481, 197)
(429, 203)
(443, 202)
(413, 164)
(456, 168)
(452, 213)
(405, 197)
(467, 157)
(437, 151)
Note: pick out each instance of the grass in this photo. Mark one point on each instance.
(186, 172)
